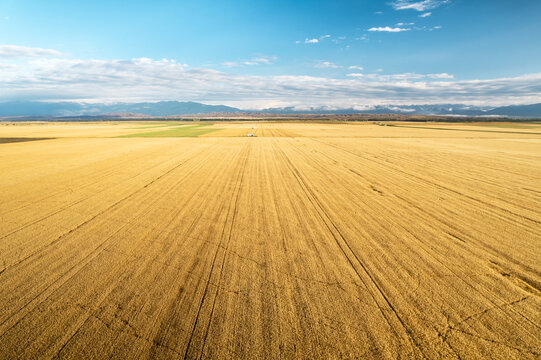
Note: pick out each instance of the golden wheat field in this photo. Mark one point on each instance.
(307, 240)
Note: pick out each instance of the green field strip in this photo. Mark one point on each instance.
(179, 131)
(158, 126)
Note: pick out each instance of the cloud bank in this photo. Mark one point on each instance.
(144, 79)
(16, 52)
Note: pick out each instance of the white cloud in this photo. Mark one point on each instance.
(440, 76)
(262, 60)
(267, 60)
(379, 13)
(404, 76)
(152, 80)
(15, 51)
(388, 29)
(400, 27)
(417, 5)
(326, 65)
(399, 109)
(427, 14)
(407, 76)
(355, 67)
(355, 75)
(313, 40)
(364, 37)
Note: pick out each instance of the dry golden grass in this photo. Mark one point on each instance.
(306, 241)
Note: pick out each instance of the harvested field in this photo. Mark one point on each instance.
(305, 241)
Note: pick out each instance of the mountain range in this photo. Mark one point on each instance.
(172, 108)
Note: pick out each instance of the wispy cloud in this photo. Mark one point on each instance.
(15, 51)
(152, 80)
(405, 24)
(404, 76)
(417, 5)
(428, 28)
(426, 14)
(388, 29)
(263, 60)
(411, 76)
(326, 65)
(266, 60)
(355, 67)
(313, 40)
(440, 76)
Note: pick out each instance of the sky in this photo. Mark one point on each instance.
(261, 54)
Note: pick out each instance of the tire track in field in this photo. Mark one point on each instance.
(154, 340)
(428, 252)
(76, 268)
(107, 173)
(464, 178)
(495, 301)
(96, 179)
(531, 229)
(197, 167)
(231, 210)
(127, 197)
(376, 292)
(226, 249)
(455, 192)
(104, 174)
(447, 225)
(91, 312)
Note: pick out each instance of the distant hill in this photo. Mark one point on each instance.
(162, 108)
(438, 109)
(533, 110)
(172, 108)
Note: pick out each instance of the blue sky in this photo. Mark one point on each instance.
(272, 53)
